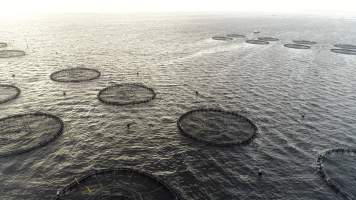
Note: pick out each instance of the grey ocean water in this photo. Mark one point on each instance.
(270, 84)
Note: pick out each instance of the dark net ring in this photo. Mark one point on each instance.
(126, 94)
(118, 184)
(257, 42)
(8, 93)
(78, 74)
(297, 46)
(217, 127)
(222, 38)
(344, 51)
(305, 42)
(234, 35)
(11, 53)
(337, 167)
(345, 46)
(25, 132)
(3, 44)
(270, 39)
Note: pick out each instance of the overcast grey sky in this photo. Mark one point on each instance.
(26, 7)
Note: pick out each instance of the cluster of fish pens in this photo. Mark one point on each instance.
(210, 126)
(348, 49)
(22, 133)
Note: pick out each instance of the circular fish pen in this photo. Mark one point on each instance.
(126, 94)
(11, 53)
(25, 132)
(234, 35)
(338, 169)
(78, 74)
(304, 42)
(118, 184)
(297, 46)
(222, 38)
(3, 44)
(257, 42)
(8, 93)
(345, 46)
(269, 39)
(344, 51)
(217, 127)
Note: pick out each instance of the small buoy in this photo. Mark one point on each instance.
(260, 172)
(13, 75)
(129, 124)
(137, 73)
(112, 83)
(64, 93)
(303, 116)
(196, 93)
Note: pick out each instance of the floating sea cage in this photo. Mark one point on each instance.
(269, 39)
(126, 94)
(119, 183)
(297, 46)
(78, 74)
(217, 127)
(337, 167)
(23, 133)
(257, 42)
(304, 42)
(8, 93)
(11, 53)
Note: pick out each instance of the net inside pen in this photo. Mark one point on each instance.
(345, 46)
(297, 46)
(338, 169)
(344, 51)
(126, 94)
(270, 39)
(3, 44)
(257, 42)
(118, 184)
(25, 132)
(217, 127)
(11, 53)
(304, 42)
(8, 93)
(222, 38)
(75, 75)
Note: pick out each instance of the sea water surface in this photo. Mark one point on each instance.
(270, 84)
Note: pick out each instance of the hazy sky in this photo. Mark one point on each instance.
(21, 7)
